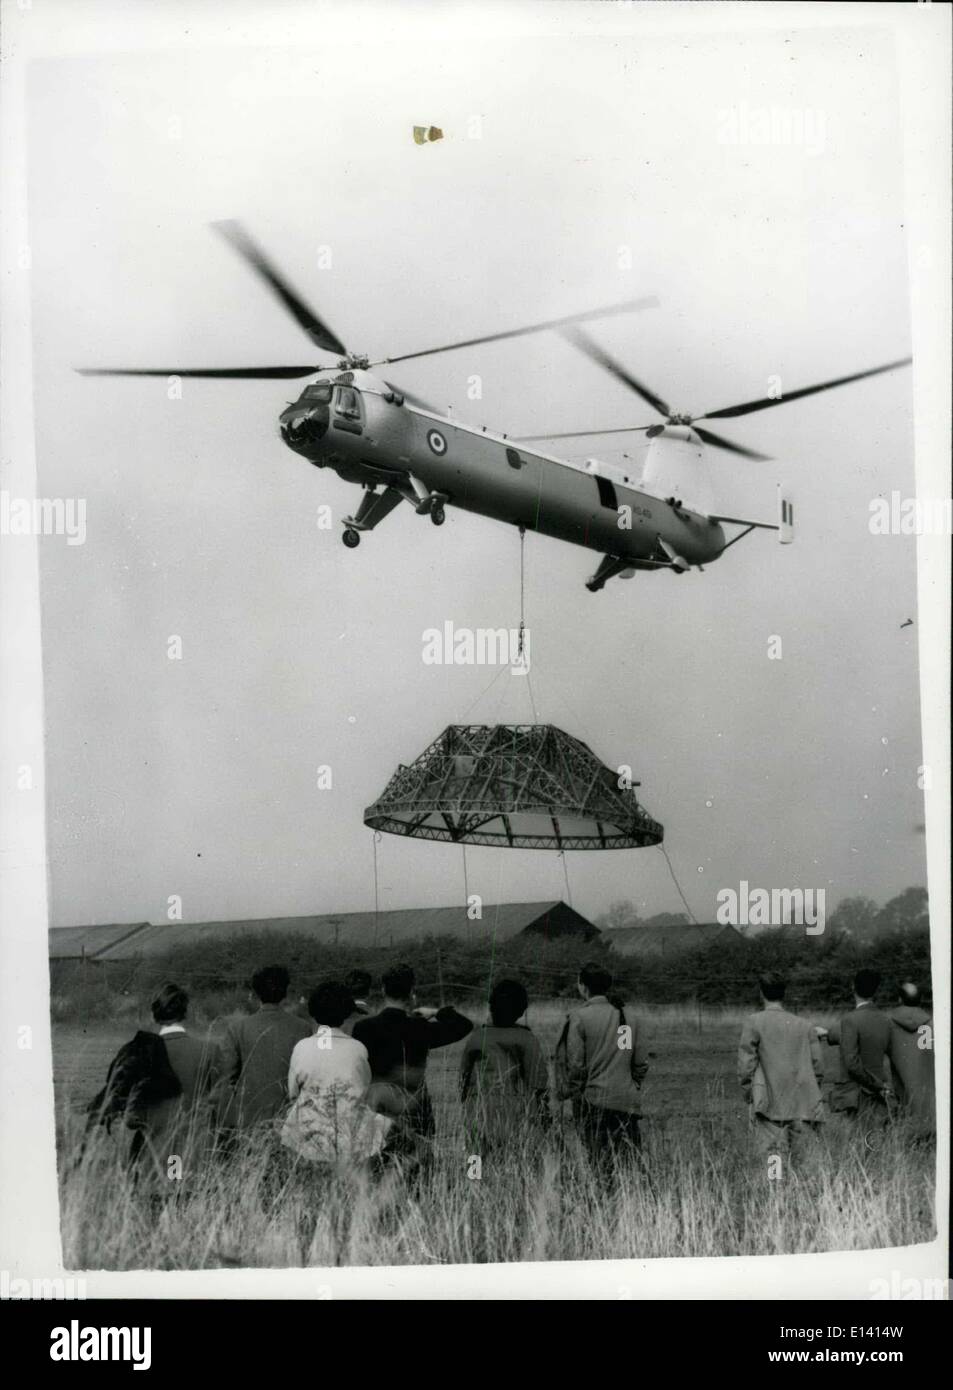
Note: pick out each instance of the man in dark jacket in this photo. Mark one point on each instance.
(256, 1052)
(864, 1037)
(504, 1080)
(180, 1127)
(911, 1056)
(398, 1041)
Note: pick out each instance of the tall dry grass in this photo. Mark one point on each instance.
(700, 1189)
(696, 1194)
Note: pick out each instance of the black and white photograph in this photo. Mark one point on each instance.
(476, 522)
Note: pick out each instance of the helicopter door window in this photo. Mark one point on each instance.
(607, 495)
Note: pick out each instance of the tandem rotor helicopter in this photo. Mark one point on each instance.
(398, 449)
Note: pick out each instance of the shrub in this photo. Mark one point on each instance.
(820, 970)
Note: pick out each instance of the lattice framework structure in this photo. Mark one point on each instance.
(518, 786)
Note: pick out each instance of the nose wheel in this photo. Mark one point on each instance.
(375, 506)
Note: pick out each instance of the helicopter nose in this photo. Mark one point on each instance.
(299, 428)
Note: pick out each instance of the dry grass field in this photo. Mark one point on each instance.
(702, 1190)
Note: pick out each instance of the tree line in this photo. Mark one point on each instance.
(858, 918)
(894, 939)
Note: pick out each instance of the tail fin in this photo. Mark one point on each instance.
(785, 518)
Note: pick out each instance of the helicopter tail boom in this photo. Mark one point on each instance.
(784, 524)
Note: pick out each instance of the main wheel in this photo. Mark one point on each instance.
(438, 516)
(351, 538)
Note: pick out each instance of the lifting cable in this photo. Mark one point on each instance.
(522, 629)
(520, 648)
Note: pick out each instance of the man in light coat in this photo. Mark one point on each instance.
(780, 1068)
(328, 1122)
(606, 1062)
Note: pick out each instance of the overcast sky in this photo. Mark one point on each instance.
(199, 777)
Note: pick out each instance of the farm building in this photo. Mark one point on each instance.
(88, 943)
(671, 938)
(499, 922)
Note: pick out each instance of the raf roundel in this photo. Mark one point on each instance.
(437, 442)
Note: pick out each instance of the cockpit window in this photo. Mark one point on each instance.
(346, 403)
(320, 391)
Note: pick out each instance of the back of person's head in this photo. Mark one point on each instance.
(772, 986)
(866, 983)
(330, 1004)
(398, 982)
(170, 1004)
(270, 983)
(508, 1002)
(358, 982)
(909, 993)
(595, 977)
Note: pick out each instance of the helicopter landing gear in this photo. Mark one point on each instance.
(429, 504)
(609, 566)
(675, 561)
(374, 507)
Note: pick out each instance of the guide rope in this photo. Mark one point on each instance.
(677, 885)
(377, 836)
(562, 855)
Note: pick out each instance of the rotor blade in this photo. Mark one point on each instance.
(719, 442)
(584, 434)
(240, 373)
(633, 304)
(729, 412)
(585, 344)
(315, 327)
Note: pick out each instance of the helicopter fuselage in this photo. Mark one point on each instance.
(356, 424)
(396, 449)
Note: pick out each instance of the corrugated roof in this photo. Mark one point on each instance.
(668, 938)
(72, 943)
(499, 922)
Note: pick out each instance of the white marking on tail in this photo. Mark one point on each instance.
(785, 518)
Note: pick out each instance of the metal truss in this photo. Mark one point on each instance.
(490, 785)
